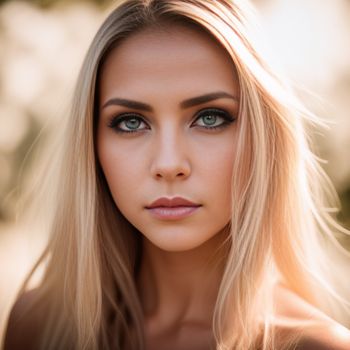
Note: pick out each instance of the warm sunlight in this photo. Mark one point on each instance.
(41, 49)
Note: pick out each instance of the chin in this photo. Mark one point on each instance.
(175, 244)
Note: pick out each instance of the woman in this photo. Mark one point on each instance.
(188, 211)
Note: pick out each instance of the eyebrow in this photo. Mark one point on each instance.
(184, 104)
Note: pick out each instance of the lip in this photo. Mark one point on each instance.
(172, 202)
(172, 208)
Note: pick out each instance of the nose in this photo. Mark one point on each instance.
(170, 159)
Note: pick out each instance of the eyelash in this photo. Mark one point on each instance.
(228, 119)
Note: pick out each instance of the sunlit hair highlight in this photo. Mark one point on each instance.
(279, 222)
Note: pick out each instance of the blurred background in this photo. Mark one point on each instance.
(42, 43)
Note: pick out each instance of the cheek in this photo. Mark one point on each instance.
(122, 169)
(215, 178)
(216, 168)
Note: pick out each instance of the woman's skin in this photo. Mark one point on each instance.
(172, 154)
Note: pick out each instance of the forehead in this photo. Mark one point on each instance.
(175, 57)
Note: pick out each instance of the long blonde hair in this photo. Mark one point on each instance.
(279, 220)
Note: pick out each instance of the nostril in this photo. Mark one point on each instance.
(171, 171)
(164, 175)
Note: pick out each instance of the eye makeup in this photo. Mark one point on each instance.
(211, 119)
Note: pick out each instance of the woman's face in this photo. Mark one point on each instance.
(168, 108)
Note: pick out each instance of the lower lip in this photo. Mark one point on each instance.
(172, 212)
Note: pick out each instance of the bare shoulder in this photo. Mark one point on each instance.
(310, 327)
(24, 323)
(325, 337)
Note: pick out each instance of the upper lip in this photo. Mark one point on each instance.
(172, 202)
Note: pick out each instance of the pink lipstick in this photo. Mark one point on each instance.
(172, 208)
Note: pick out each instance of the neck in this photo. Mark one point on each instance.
(181, 287)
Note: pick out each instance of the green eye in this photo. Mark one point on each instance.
(214, 118)
(209, 119)
(127, 123)
(132, 123)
